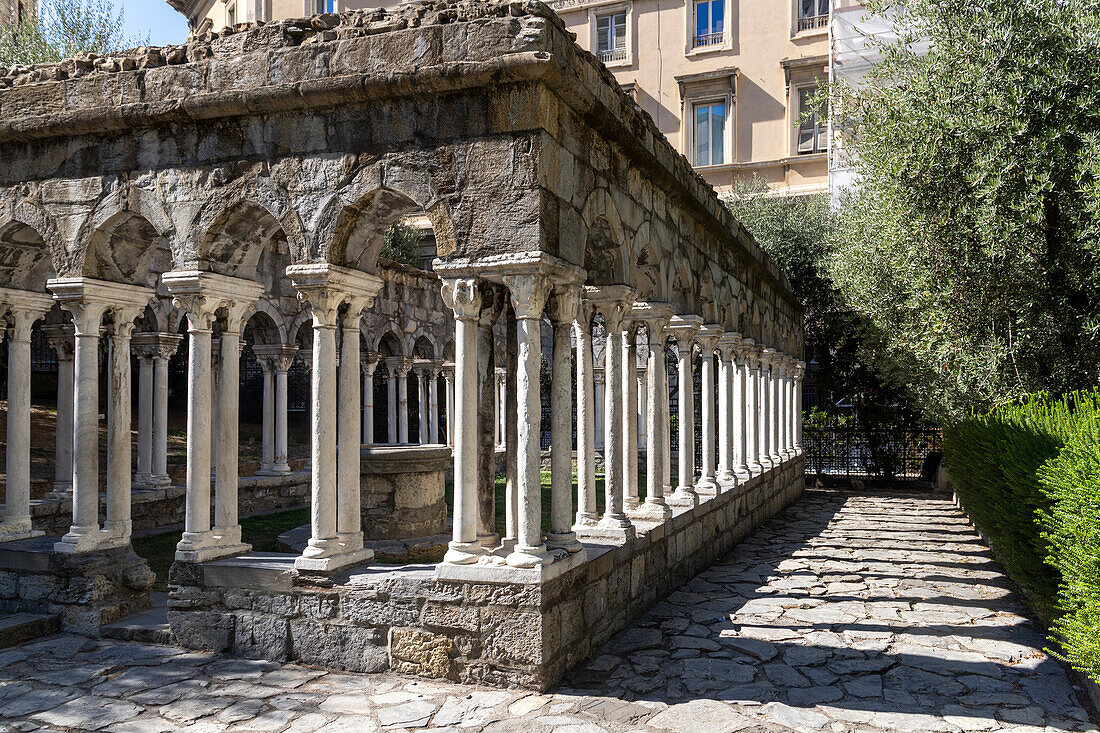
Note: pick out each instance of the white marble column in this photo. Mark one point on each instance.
(752, 407)
(25, 309)
(433, 404)
(449, 388)
(641, 418)
(421, 404)
(267, 452)
(784, 409)
(462, 297)
(118, 525)
(282, 367)
(742, 399)
(369, 365)
(656, 317)
(598, 406)
(727, 377)
(764, 407)
(563, 312)
(200, 295)
(587, 515)
(402, 371)
(778, 453)
(60, 337)
(707, 340)
(166, 346)
(800, 372)
(326, 289)
(614, 302)
(145, 417)
(528, 294)
(630, 418)
(391, 400)
(684, 329)
(349, 522)
(89, 300)
(501, 375)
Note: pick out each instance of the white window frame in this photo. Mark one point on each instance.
(604, 11)
(231, 14)
(690, 49)
(818, 28)
(796, 119)
(690, 103)
(311, 7)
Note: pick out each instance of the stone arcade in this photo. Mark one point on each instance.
(222, 180)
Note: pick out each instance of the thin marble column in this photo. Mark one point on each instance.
(655, 506)
(391, 400)
(800, 371)
(433, 405)
(118, 525)
(725, 412)
(462, 297)
(402, 370)
(752, 413)
(349, 521)
(563, 312)
(283, 362)
(774, 416)
(334, 514)
(60, 337)
(586, 422)
(267, 451)
(630, 419)
(145, 417)
(369, 365)
(598, 407)
(742, 400)
(449, 400)
(272, 357)
(707, 340)
(684, 329)
(89, 301)
(764, 407)
(25, 309)
(227, 528)
(528, 296)
(166, 346)
(421, 405)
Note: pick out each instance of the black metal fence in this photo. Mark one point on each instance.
(843, 449)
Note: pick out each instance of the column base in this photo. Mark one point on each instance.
(332, 562)
(610, 527)
(61, 490)
(630, 503)
(464, 553)
(160, 479)
(585, 521)
(755, 468)
(228, 535)
(742, 474)
(118, 530)
(649, 511)
(20, 529)
(88, 539)
(766, 465)
(707, 486)
(206, 546)
(685, 497)
(563, 541)
(350, 542)
(142, 480)
(489, 541)
(529, 557)
(777, 459)
(274, 471)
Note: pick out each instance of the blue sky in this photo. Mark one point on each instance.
(155, 19)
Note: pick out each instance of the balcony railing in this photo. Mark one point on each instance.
(709, 39)
(614, 54)
(811, 22)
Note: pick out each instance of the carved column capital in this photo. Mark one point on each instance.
(529, 293)
(60, 338)
(564, 304)
(462, 296)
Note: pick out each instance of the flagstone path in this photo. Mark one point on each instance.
(849, 612)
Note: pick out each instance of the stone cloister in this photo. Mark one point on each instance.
(248, 178)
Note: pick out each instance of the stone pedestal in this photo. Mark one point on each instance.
(86, 590)
(403, 491)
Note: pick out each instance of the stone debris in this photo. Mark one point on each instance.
(932, 646)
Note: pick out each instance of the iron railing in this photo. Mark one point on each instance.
(843, 450)
(614, 54)
(709, 39)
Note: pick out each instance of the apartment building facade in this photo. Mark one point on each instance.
(729, 82)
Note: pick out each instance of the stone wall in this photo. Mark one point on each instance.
(155, 509)
(501, 633)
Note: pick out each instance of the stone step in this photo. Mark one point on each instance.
(149, 627)
(16, 628)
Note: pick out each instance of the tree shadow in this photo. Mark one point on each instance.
(901, 642)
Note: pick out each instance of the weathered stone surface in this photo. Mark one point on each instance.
(421, 653)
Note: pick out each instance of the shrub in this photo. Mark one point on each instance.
(1029, 478)
(1071, 485)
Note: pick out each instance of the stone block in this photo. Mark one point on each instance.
(202, 631)
(512, 637)
(260, 637)
(413, 651)
(342, 647)
(450, 617)
(363, 611)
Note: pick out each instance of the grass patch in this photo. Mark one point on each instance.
(260, 531)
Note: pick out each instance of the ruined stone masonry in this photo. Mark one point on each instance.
(251, 175)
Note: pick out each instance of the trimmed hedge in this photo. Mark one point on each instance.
(1029, 478)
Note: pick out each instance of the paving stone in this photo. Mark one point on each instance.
(793, 717)
(89, 713)
(700, 715)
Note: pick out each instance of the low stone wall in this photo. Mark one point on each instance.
(86, 590)
(496, 632)
(157, 509)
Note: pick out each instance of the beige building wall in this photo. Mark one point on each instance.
(768, 52)
(12, 11)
